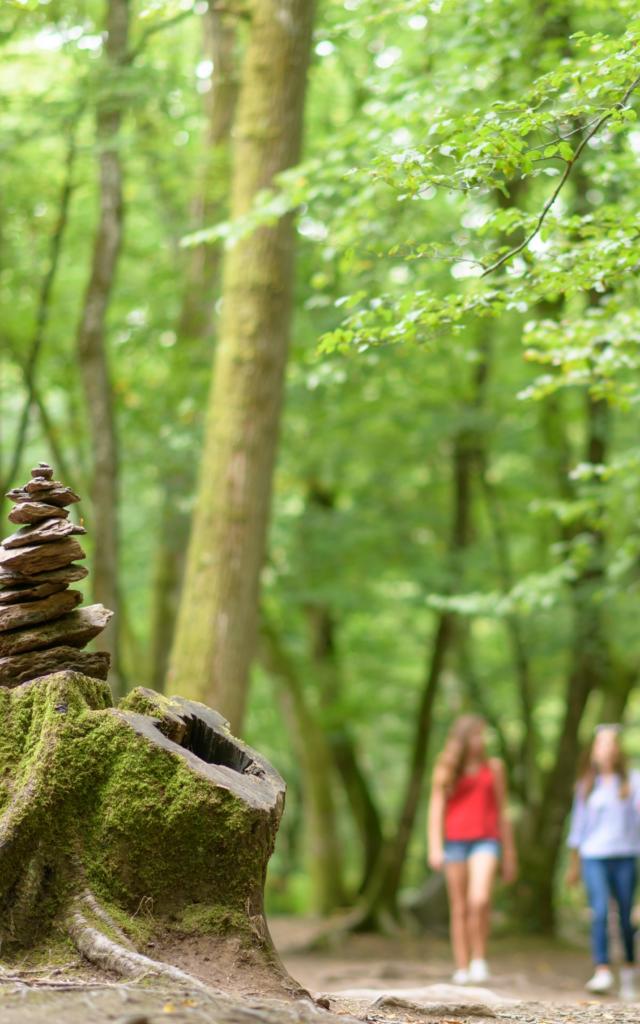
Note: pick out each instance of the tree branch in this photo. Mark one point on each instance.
(563, 180)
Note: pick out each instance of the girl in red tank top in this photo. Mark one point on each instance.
(471, 808)
(469, 833)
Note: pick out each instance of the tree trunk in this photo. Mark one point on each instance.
(43, 311)
(343, 748)
(623, 680)
(91, 336)
(381, 898)
(218, 618)
(318, 779)
(590, 668)
(521, 765)
(173, 536)
(195, 329)
(324, 657)
(195, 322)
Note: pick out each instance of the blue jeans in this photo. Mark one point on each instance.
(605, 877)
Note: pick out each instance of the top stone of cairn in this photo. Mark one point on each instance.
(40, 488)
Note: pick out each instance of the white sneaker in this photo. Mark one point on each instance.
(628, 991)
(479, 971)
(461, 976)
(601, 982)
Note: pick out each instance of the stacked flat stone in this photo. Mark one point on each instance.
(41, 628)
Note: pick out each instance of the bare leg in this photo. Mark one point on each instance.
(457, 882)
(481, 875)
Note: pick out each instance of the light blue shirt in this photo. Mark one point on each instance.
(605, 824)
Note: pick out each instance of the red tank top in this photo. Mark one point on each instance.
(471, 811)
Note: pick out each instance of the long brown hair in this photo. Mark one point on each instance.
(450, 764)
(589, 770)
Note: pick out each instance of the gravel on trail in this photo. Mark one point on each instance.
(27, 1002)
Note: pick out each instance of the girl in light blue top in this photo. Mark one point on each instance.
(605, 842)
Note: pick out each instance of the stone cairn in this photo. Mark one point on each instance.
(41, 628)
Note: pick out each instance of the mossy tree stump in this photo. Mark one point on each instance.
(106, 809)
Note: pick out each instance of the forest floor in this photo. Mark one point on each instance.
(366, 979)
(523, 967)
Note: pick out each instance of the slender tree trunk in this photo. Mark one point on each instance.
(91, 336)
(70, 469)
(345, 755)
(381, 898)
(324, 657)
(523, 766)
(218, 618)
(42, 319)
(314, 755)
(173, 536)
(210, 202)
(623, 680)
(195, 328)
(589, 670)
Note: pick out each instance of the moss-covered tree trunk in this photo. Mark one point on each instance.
(106, 810)
(217, 625)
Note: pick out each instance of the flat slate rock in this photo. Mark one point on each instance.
(19, 494)
(20, 668)
(51, 491)
(66, 574)
(33, 511)
(46, 532)
(15, 616)
(29, 592)
(36, 558)
(74, 630)
(39, 482)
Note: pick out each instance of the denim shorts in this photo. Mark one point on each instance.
(457, 850)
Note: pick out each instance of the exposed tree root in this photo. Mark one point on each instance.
(98, 911)
(109, 955)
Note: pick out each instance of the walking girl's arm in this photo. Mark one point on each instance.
(575, 837)
(509, 853)
(435, 824)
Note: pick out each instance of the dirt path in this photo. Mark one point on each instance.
(522, 968)
(367, 979)
(109, 1006)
